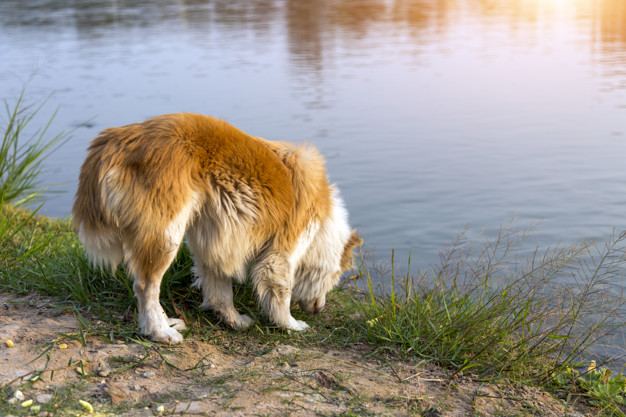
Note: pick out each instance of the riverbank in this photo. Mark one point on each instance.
(74, 338)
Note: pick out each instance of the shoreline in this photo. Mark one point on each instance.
(231, 376)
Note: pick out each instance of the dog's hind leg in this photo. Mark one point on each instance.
(217, 292)
(272, 277)
(102, 244)
(148, 264)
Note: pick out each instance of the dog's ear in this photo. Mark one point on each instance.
(347, 257)
(355, 240)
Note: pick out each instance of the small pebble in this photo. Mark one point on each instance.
(19, 396)
(43, 398)
(148, 374)
(160, 409)
(105, 371)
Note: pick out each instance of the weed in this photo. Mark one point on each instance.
(602, 389)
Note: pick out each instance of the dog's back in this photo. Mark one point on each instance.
(237, 197)
(139, 179)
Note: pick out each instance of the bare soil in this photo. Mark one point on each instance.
(231, 378)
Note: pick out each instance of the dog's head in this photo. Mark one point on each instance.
(311, 289)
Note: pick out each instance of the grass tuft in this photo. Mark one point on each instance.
(488, 310)
(20, 168)
(21, 158)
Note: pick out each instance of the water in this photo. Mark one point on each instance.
(432, 114)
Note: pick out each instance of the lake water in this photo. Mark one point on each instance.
(432, 114)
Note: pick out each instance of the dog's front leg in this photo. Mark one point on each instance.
(272, 277)
(217, 291)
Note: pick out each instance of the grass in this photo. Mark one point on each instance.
(489, 311)
(20, 171)
(11, 223)
(21, 158)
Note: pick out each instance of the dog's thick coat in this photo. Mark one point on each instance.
(242, 202)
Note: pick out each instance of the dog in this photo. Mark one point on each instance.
(248, 207)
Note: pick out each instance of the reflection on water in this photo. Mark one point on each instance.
(433, 114)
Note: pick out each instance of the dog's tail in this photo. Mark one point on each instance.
(90, 219)
(308, 175)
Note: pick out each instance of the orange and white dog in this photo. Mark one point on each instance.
(245, 204)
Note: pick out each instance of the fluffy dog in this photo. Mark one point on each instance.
(247, 206)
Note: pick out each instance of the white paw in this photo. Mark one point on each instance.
(297, 325)
(177, 324)
(168, 336)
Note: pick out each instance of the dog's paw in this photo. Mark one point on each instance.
(177, 324)
(297, 325)
(169, 336)
(242, 322)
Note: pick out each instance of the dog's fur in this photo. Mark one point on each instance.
(246, 205)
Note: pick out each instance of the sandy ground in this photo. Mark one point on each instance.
(230, 379)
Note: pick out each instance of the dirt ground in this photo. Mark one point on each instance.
(205, 378)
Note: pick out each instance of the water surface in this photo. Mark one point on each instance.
(432, 114)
